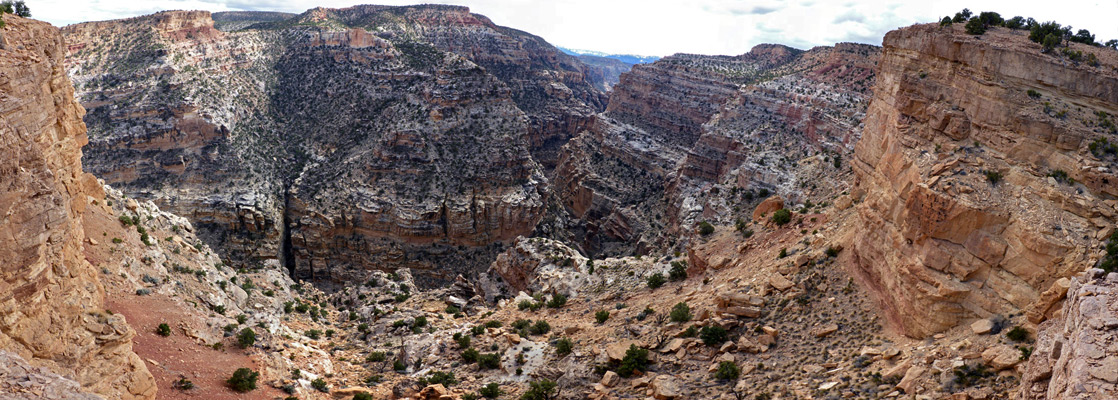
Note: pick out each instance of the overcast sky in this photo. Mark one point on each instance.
(660, 27)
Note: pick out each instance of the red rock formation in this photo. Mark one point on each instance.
(941, 238)
(51, 302)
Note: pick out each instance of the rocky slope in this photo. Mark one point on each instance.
(335, 140)
(51, 302)
(979, 177)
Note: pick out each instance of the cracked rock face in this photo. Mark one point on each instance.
(1074, 356)
(51, 303)
(337, 140)
(960, 215)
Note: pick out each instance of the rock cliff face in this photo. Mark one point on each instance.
(51, 302)
(1075, 355)
(685, 138)
(979, 174)
(408, 134)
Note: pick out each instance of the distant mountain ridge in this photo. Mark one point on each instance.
(626, 58)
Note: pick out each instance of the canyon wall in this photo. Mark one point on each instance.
(685, 139)
(51, 302)
(336, 140)
(980, 176)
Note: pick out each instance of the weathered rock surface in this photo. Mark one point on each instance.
(51, 302)
(1075, 355)
(958, 217)
(21, 381)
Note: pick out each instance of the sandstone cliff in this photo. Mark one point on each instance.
(51, 302)
(336, 140)
(978, 181)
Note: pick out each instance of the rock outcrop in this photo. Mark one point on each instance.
(978, 183)
(1074, 356)
(51, 302)
(336, 140)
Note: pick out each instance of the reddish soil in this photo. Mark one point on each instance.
(179, 356)
(176, 356)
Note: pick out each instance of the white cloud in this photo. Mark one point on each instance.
(658, 27)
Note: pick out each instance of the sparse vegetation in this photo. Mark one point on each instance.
(680, 313)
(727, 371)
(636, 359)
(705, 228)
(541, 390)
(1017, 334)
(782, 216)
(243, 380)
(564, 346)
(656, 281)
(246, 338)
(490, 390)
(163, 330)
(678, 272)
(713, 335)
(601, 316)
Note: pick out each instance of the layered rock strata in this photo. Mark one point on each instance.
(336, 140)
(978, 182)
(685, 139)
(51, 302)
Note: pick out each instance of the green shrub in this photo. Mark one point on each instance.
(564, 346)
(320, 385)
(1017, 334)
(727, 371)
(946, 21)
(994, 177)
(656, 280)
(636, 359)
(678, 272)
(541, 390)
(163, 330)
(782, 216)
(831, 252)
(469, 396)
(975, 27)
(399, 365)
(243, 380)
(441, 378)
(366, 396)
(463, 340)
(962, 16)
(713, 335)
(1033, 93)
(470, 355)
(376, 356)
(601, 316)
(783, 253)
(558, 300)
(705, 228)
(489, 361)
(690, 332)
(246, 338)
(680, 313)
(490, 390)
(1110, 262)
(313, 334)
(419, 322)
(541, 327)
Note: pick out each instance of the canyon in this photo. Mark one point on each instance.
(414, 202)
